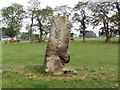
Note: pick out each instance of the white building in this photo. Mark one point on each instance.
(4, 38)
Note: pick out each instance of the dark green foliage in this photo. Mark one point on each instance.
(12, 17)
(9, 32)
(81, 17)
(37, 36)
(71, 34)
(44, 18)
(101, 16)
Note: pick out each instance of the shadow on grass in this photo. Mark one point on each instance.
(36, 69)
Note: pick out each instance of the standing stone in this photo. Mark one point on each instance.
(57, 49)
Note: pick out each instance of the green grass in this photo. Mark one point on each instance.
(98, 39)
(95, 62)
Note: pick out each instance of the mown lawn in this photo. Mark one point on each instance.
(95, 62)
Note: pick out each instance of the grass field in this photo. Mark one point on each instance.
(95, 62)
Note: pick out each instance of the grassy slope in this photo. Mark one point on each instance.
(96, 63)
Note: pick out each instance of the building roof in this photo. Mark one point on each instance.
(5, 37)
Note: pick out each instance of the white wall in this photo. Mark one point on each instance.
(3, 39)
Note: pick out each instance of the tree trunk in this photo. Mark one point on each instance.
(57, 49)
(83, 25)
(119, 35)
(107, 33)
(40, 38)
(107, 39)
(40, 29)
(118, 9)
(83, 36)
(30, 32)
(45, 37)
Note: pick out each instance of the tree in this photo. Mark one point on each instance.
(81, 17)
(100, 13)
(63, 10)
(71, 34)
(34, 5)
(37, 36)
(12, 18)
(118, 17)
(115, 19)
(44, 19)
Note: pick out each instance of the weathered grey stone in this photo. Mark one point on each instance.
(57, 49)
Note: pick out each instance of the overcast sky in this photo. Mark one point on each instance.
(52, 3)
